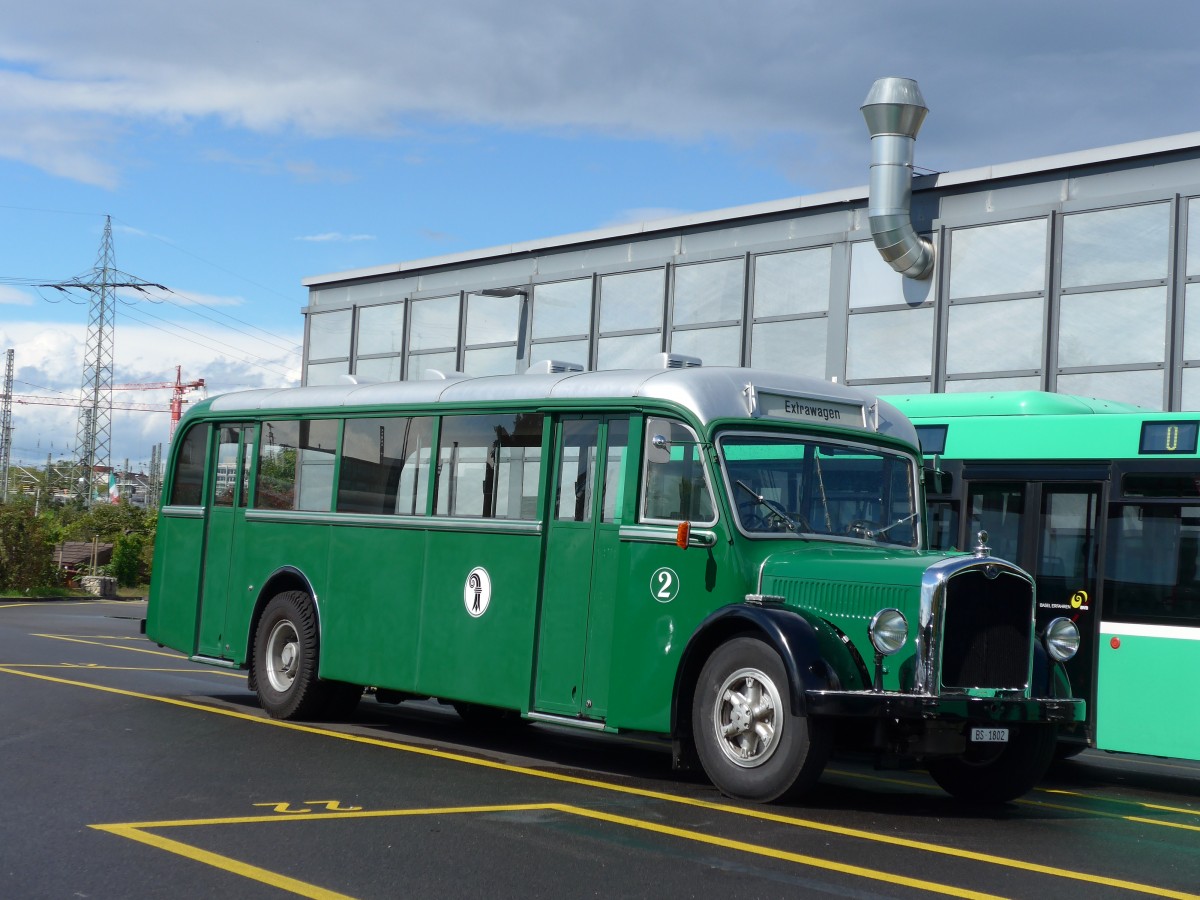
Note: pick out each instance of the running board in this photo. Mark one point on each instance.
(569, 721)
(213, 661)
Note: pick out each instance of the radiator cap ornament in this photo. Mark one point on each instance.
(981, 548)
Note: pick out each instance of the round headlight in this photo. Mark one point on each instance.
(888, 630)
(1061, 639)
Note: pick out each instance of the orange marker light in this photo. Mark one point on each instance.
(683, 534)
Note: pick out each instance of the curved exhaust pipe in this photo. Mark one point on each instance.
(894, 110)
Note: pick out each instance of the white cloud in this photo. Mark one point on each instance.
(11, 296)
(49, 362)
(336, 237)
(1000, 86)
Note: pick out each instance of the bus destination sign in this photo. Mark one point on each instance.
(809, 409)
(1166, 438)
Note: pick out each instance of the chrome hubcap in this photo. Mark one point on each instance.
(747, 718)
(283, 650)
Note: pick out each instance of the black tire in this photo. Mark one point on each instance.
(987, 775)
(286, 654)
(751, 745)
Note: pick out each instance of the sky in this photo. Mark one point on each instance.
(240, 146)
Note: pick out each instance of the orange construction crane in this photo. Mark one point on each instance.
(179, 387)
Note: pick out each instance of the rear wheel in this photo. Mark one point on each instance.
(997, 774)
(750, 743)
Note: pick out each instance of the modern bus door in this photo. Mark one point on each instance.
(1052, 529)
(228, 489)
(580, 571)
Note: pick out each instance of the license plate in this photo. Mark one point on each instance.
(989, 735)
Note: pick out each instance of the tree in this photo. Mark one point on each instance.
(26, 549)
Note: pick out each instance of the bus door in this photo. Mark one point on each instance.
(229, 484)
(1059, 548)
(580, 571)
(1066, 571)
(1149, 647)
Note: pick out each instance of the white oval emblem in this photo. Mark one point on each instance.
(477, 591)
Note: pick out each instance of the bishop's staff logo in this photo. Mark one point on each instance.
(477, 592)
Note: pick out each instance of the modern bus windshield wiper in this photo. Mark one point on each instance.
(774, 508)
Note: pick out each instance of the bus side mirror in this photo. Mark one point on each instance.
(658, 449)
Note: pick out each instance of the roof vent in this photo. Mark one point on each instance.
(553, 367)
(439, 375)
(678, 361)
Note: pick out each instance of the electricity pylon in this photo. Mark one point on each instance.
(94, 435)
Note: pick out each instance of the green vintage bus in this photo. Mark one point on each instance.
(730, 557)
(1100, 503)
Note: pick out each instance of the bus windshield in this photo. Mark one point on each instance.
(783, 486)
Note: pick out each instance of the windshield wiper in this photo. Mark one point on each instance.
(878, 531)
(774, 508)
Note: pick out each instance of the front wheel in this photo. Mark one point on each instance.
(752, 746)
(286, 655)
(989, 775)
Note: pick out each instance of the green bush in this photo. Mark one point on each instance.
(26, 549)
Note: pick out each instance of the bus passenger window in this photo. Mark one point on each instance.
(1152, 568)
(373, 478)
(188, 481)
(488, 466)
(295, 465)
(675, 488)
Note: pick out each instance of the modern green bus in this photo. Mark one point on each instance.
(732, 558)
(1100, 503)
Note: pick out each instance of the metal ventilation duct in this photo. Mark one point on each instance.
(894, 110)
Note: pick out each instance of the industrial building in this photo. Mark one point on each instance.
(1070, 273)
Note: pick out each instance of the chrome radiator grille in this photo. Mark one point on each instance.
(987, 630)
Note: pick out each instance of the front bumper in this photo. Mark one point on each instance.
(949, 708)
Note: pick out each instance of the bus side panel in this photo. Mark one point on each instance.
(1134, 679)
(175, 586)
(265, 548)
(664, 594)
(482, 658)
(371, 609)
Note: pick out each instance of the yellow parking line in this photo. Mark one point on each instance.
(135, 830)
(228, 864)
(99, 643)
(761, 814)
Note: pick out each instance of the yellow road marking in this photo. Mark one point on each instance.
(227, 863)
(1118, 801)
(208, 670)
(98, 643)
(761, 814)
(136, 831)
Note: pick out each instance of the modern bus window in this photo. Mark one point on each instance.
(385, 466)
(187, 486)
(675, 487)
(295, 466)
(943, 524)
(1152, 558)
(489, 466)
(998, 509)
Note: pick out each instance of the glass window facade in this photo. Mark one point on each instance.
(1069, 279)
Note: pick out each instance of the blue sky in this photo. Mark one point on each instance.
(243, 146)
